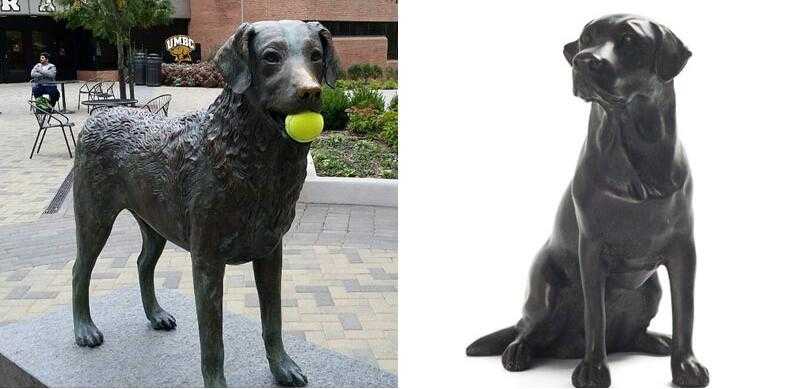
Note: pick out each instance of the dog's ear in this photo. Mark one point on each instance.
(233, 59)
(330, 61)
(671, 53)
(570, 50)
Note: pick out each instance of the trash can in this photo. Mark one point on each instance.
(153, 70)
(139, 68)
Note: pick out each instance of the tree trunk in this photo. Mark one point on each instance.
(121, 68)
(131, 69)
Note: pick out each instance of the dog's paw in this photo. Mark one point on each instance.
(287, 373)
(687, 372)
(162, 321)
(591, 375)
(518, 356)
(87, 335)
(652, 343)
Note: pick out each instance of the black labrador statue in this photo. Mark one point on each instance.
(221, 183)
(593, 286)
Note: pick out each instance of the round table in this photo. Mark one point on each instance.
(109, 103)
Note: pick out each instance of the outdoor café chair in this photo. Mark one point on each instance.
(86, 89)
(100, 91)
(158, 105)
(47, 119)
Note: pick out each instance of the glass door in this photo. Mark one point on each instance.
(13, 57)
(2, 56)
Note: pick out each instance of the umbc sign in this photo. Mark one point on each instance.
(180, 46)
(9, 5)
(45, 6)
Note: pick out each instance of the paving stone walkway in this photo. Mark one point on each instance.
(340, 268)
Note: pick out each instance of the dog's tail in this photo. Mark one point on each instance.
(492, 344)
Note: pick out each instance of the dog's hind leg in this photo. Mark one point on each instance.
(152, 246)
(92, 231)
(540, 324)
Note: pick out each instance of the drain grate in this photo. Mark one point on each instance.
(58, 199)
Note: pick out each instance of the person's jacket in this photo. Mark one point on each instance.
(43, 73)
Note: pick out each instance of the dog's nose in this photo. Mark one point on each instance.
(589, 62)
(308, 91)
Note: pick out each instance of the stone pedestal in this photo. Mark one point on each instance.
(42, 352)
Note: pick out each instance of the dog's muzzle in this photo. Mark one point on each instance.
(588, 73)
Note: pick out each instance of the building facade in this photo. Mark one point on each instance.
(363, 30)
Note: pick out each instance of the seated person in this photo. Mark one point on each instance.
(43, 73)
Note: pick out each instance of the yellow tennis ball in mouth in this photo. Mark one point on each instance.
(305, 126)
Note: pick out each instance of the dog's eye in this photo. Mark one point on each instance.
(585, 39)
(627, 41)
(272, 57)
(316, 56)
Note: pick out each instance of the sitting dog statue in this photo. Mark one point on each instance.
(593, 287)
(221, 184)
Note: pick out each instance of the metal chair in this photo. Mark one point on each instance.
(45, 119)
(86, 89)
(101, 91)
(158, 104)
(104, 89)
(108, 93)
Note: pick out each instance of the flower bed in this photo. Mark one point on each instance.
(360, 138)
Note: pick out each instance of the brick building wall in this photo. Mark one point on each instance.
(347, 10)
(213, 21)
(361, 49)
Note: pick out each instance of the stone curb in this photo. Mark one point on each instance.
(348, 190)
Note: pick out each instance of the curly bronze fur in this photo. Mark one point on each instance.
(221, 183)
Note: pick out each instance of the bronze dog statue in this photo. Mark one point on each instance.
(593, 286)
(221, 183)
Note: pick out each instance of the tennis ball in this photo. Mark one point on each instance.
(305, 126)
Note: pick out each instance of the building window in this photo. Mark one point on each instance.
(387, 29)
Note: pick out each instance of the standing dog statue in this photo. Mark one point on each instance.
(222, 184)
(593, 286)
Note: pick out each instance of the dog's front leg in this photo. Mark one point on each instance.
(592, 372)
(267, 273)
(208, 273)
(686, 369)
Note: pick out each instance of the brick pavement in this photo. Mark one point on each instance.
(340, 268)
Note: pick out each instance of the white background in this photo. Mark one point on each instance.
(490, 138)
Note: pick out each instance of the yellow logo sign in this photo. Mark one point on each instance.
(180, 46)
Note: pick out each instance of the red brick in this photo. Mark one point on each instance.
(213, 21)
(361, 49)
(86, 75)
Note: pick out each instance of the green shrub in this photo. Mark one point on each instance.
(389, 84)
(363, 120)
(393, 104)
(347, 84)
(382, 84)
(370, 83)
(390, 73)
(334, 108)
(355, 72)
(366, 97)
(388, 130)
(364, 71)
